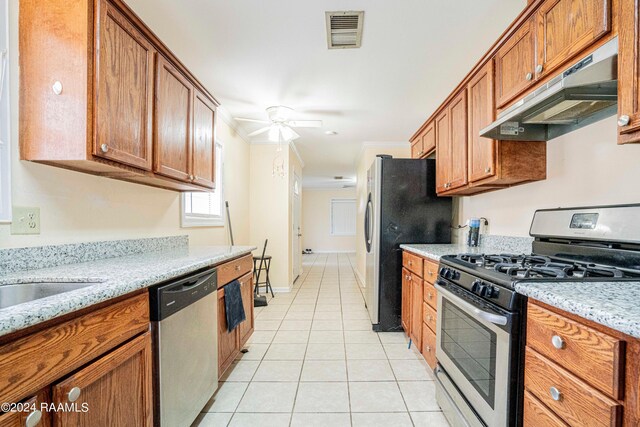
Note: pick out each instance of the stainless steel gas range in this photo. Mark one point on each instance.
(481, 319)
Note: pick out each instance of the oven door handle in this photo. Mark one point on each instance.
(496, 319)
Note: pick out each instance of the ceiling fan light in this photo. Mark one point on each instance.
(279, 113)
(274, 133)
(287, 133)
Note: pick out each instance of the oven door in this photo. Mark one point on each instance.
(474, 347)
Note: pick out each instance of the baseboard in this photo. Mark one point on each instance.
(333, 252)
(281, 290)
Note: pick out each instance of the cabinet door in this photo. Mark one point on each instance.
(124, 91)
(416, 311)
(514, 63)
(204, 115)
(429, 138)
(405, 309)
(443, 152)
(228, 343)
(459, 136)
(172, 130)
(31, 414)
(245, 329)
(482, 151)
(115, 390)
(416, 148)
(629, 73)
(566, 27)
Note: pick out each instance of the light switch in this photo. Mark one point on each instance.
(25, 220)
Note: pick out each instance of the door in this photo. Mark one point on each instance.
(429, 138)
(482, 151)
(629, 73)
(566, 27)
(124, 91)
(296, 232)
(245, 329)
(514, 64)
(443, 151)
(172, 132)
(115, 390)
(203, 157)
(416, 311)
(228, 342)
(405, 309)
(459, 137)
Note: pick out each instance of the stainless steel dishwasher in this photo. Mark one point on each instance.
(184, 316)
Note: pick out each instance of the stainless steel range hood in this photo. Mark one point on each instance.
(581, 95)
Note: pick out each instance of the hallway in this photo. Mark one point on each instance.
(314, 361)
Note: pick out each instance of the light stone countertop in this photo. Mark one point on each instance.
(489, 245)
(116, 276)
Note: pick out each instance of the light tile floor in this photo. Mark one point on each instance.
(314, 361)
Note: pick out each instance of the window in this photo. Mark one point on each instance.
(343, 217)
(200, 209)
(5, 157)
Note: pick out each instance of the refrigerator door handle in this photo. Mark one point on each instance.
(368, 224)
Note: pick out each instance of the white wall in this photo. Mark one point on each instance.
(78, 207)
(584, 168)
(316, 220)
(364, 163)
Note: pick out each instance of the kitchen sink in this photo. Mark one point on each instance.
(19, 293)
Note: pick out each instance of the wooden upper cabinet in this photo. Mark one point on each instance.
(515, 64)
(567, 27)
(116, 389)
(429, 138)
(459, 138)
(443, 151)
(416, 148)
(629, 72)
(203, 158)
(172, 132)
(482, 151)
(124, 98)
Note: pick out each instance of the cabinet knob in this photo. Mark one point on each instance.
(57, 87)
(428, 349)
(429, 318)
(623, 120)
(191, 177)
(104, 148)
(421, 152)
(237, 268)
(430, 295)
(557, 342)
(539, 68)
(74, 394)
(33, 419)
(528, 76)
(487, 170)
(555, 394)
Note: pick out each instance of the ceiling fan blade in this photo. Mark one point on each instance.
(304, 123)
(295, 135)
(242, 119)
(259, 131)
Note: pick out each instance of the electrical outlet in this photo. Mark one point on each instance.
(25, 220)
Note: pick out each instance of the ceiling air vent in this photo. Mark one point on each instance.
(344, 29)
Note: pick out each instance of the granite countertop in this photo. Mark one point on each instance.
(489, 244)
(114, 276)
(611, 304)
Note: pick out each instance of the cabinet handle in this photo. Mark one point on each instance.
(57, 87)
(557, 342)
(104, 148)
(555, 394)
(623, 120)
(528, 76)
(33, 419)
(74, 394)
(539, 69)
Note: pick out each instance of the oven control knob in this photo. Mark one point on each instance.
(442, 271)
(455, 275)
(477, 287)
(446, 273)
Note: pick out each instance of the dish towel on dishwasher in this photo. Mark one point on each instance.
(233, 305)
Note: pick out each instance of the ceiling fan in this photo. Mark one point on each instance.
(279, 125)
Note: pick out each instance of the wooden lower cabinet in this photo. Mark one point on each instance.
(416, 311)
(536, 414)
(30, 413)
(115, 390)
(429, 346)
(405, 309)
(228, 344)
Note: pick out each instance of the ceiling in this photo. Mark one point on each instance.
(252, 54)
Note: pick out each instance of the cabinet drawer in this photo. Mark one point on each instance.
(430, 271)
(429, 316)
(31, 363)
(536, 414)
(231, 270)
(412, 263)
(575, 401)
(429, 346)
(592, 355)
(430, 295)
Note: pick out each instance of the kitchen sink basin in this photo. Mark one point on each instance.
(19, 293)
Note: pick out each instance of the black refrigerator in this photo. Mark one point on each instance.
(402, 207)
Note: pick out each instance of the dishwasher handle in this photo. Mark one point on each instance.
(172, 297)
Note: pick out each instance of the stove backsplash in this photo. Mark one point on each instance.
(507, 244)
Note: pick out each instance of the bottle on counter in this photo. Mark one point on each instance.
(473, 238)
